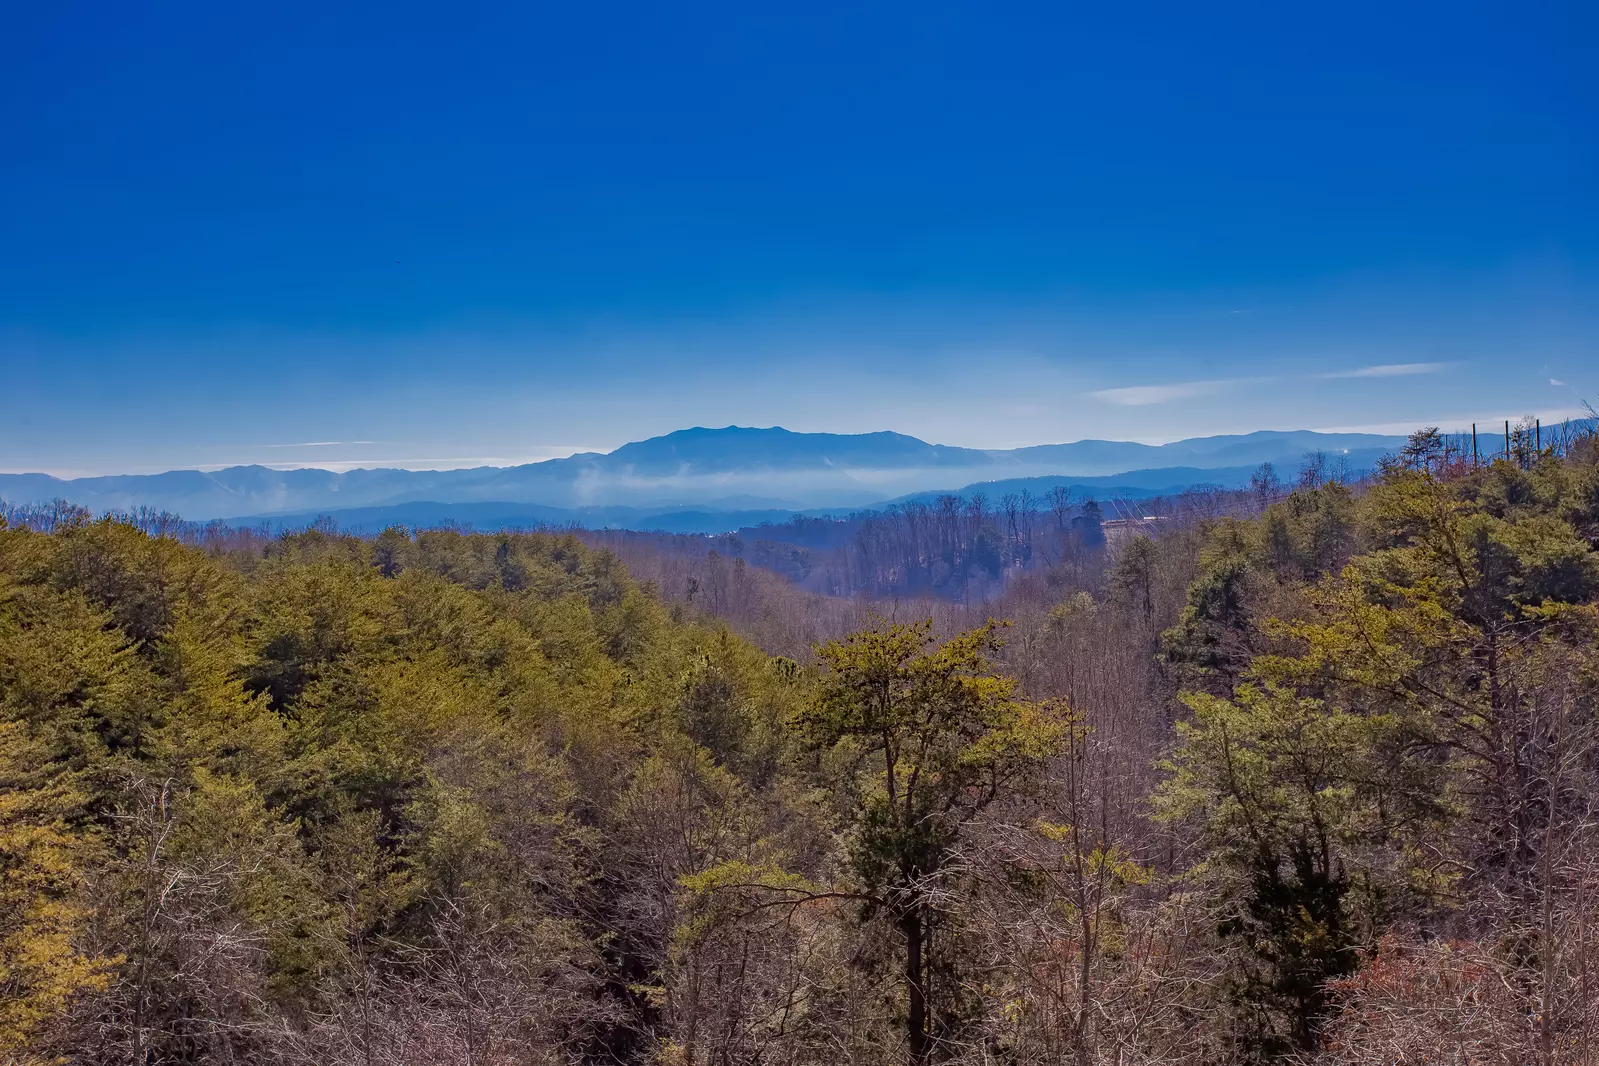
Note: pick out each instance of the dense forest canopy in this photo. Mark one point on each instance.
(1309, 777)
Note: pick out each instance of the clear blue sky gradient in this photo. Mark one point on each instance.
(454, 233)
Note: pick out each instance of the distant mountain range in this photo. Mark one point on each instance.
(696, 477)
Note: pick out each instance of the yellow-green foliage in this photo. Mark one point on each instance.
(1402, 738)
(42, 915)
(230, 782)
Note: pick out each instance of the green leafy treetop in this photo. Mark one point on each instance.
(927, 736)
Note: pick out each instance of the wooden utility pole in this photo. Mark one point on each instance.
(1507, 440)
(1474, 444)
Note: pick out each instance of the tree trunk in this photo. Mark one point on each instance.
(911, 926)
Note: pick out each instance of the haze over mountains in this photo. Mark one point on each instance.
(697, 477)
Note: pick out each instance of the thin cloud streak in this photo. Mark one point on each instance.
(1388, 370)
(1145, 395)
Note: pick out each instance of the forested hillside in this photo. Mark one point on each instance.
(1311, 777)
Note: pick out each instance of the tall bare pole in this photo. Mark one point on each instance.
(1474, 444)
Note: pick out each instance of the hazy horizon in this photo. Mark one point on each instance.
(1396, 430)
(1485, 426)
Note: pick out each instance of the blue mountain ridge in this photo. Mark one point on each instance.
(710, 470)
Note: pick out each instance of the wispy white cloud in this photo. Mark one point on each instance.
(318, 444)
(1144, 395)
(1557, 383)
(1387, 370)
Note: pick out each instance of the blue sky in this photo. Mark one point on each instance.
(439, 235)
